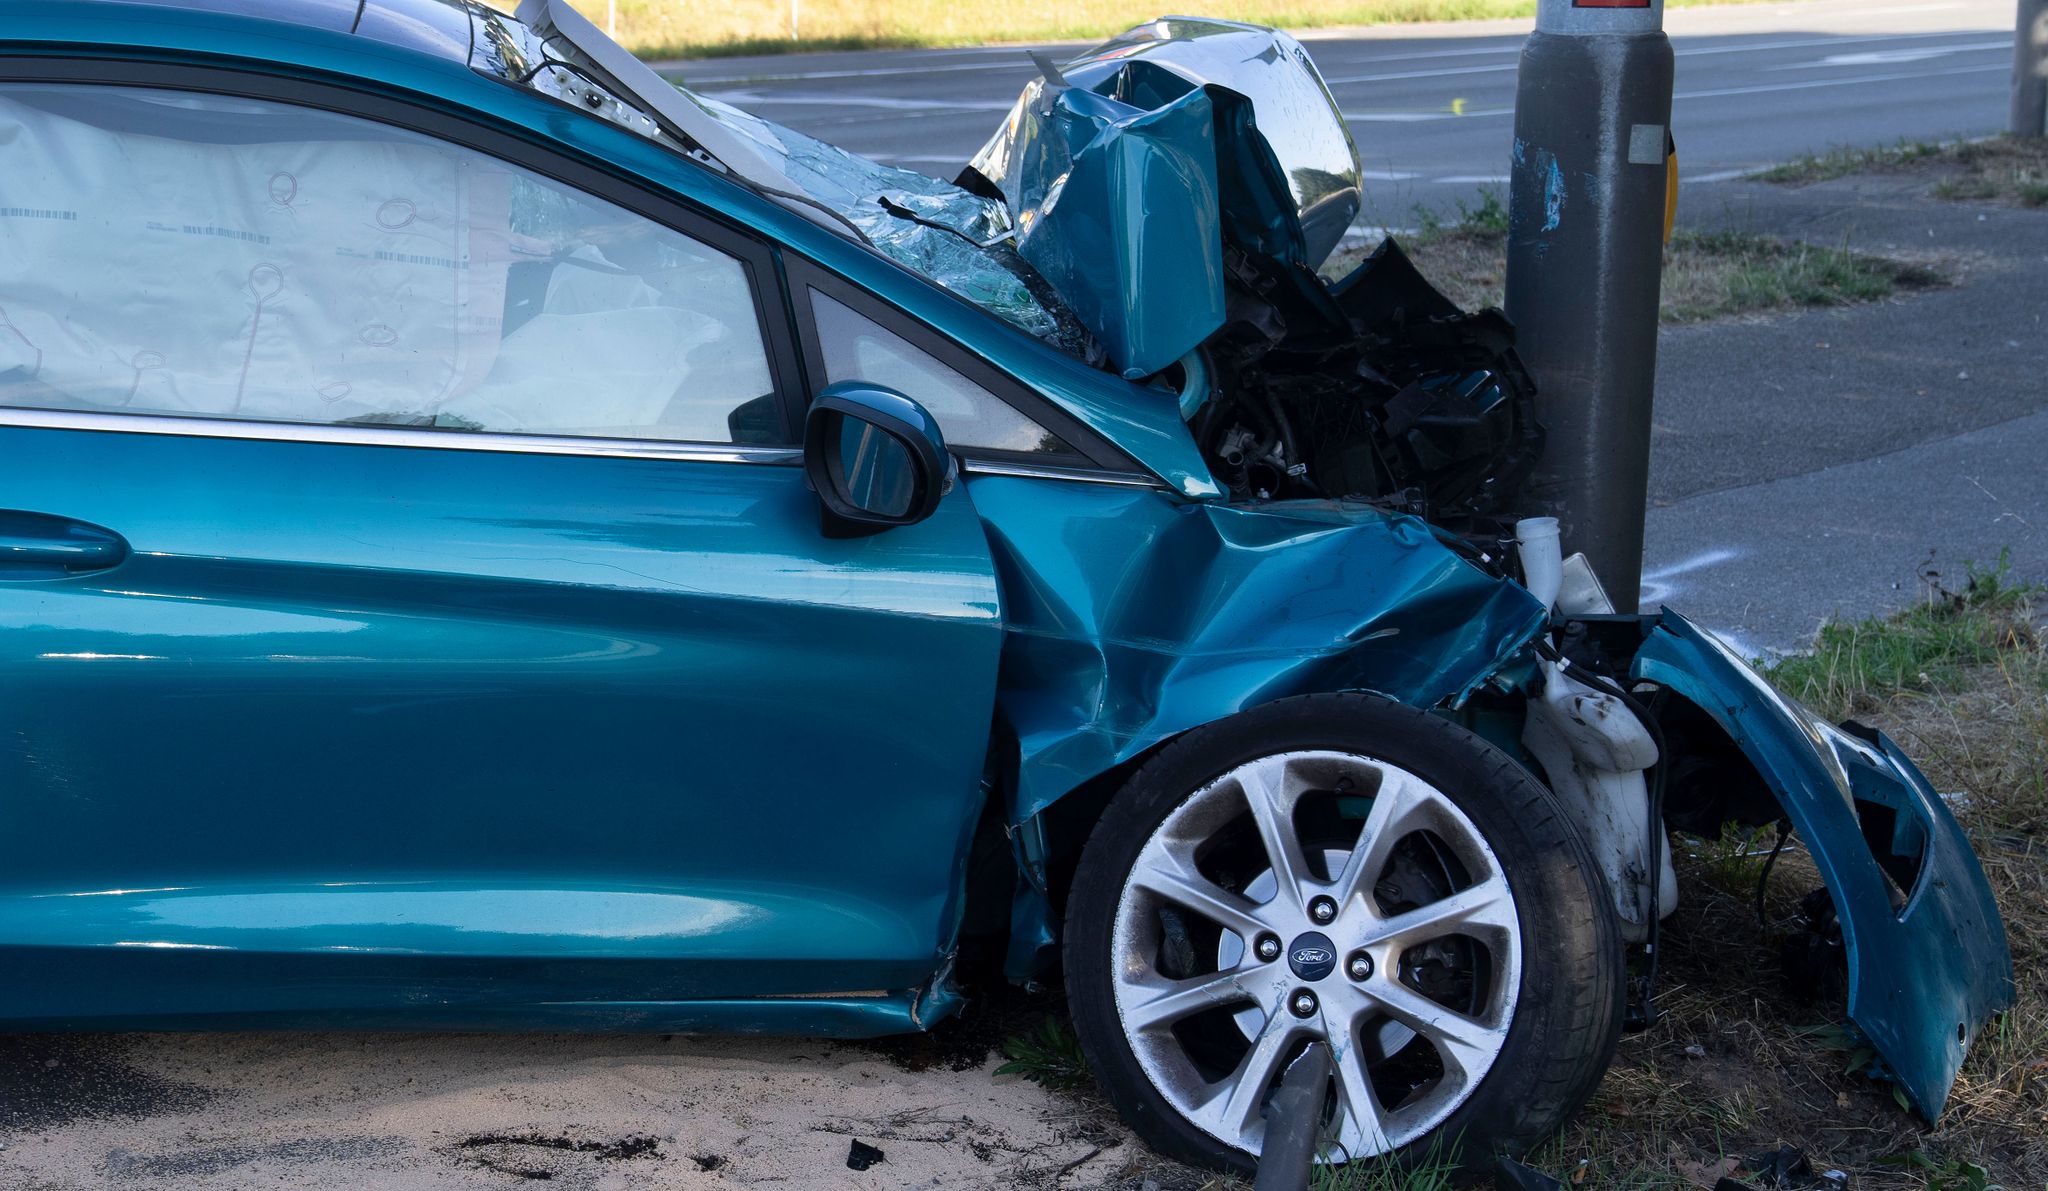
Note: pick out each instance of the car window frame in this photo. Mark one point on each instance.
(757, 257)
(1094, 457)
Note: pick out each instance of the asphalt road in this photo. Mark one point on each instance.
(1431, 106)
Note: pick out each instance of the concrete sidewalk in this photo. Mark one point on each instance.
(1809, 466)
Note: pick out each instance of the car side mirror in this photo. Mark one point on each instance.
(876, 459)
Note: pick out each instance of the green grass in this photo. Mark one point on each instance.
(1932, 648)
(702, 28)
(1843, 160)
(1049, 1055)
(2000, 169)
(1720, 273)
(1435, 1169)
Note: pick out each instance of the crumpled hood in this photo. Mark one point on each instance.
(1134, 171)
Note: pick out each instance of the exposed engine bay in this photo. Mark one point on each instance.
(1374, 386)
(1389, 394)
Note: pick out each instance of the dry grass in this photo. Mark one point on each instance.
(2003, 169)
(1707, 274)
(1962, 685)
(703, 28)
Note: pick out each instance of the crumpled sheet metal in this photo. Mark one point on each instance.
(1127, 621)
(1922, 977)
(1116, 207)
(1130, 620)
(1128, 171)
(1300, 130)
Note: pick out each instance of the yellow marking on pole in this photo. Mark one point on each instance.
(1670, 185)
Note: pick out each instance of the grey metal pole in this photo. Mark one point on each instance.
(2030, 70)
(1585, 246)
(1294, 1119)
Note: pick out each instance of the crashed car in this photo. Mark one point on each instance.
(490, 539)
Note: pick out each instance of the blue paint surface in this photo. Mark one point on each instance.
(1924, 976)
(360, 735)
(1553, 192)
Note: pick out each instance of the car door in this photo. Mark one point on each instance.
(410, 600)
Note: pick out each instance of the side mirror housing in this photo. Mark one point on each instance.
(876, 459)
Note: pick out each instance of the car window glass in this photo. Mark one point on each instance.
(178, 254)
(856, 348)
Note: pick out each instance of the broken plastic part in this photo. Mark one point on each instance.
(1927, 958)
(1594, 752)
(1579, 592)
(1542, 568)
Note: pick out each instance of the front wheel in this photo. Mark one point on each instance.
(1343, 868)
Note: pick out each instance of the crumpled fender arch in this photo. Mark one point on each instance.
(1130, 617)
(1924, 976)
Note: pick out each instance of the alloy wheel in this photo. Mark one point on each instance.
(1317, 895)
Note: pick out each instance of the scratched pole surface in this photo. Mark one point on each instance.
(1585, 243)
(2030, 70)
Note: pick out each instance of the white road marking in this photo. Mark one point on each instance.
(1709, 93)
(1492, 68)
(1722, 175)
(1471, 179)
(1511, 47)
(1765, 88)
(1909, 54)
(1916, 8)
(803, 99)
(1815, 43)
(1420, 117)
(1658, 584)
(684, 66)
(1515, 47)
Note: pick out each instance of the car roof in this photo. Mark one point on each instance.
(440, 28)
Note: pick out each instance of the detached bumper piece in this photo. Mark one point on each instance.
(1927, 957)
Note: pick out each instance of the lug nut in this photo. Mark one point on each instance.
(1323, 910)
(1359, 966)
(1268, 948)
(1304, 1004)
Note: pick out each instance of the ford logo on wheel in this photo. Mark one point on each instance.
(1312, 955)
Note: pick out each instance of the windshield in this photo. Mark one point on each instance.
(957, 239)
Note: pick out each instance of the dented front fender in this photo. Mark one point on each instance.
(1928, 962)
(1130, 617)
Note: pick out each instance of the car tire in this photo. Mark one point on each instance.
(1533, 974)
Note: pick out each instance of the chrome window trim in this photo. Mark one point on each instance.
(1081, 475)
(398, 436)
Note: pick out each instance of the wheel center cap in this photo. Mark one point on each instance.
(1312, 955)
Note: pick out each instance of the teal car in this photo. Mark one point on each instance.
(490, 539)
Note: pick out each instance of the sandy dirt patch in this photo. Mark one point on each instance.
(373, 1111)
